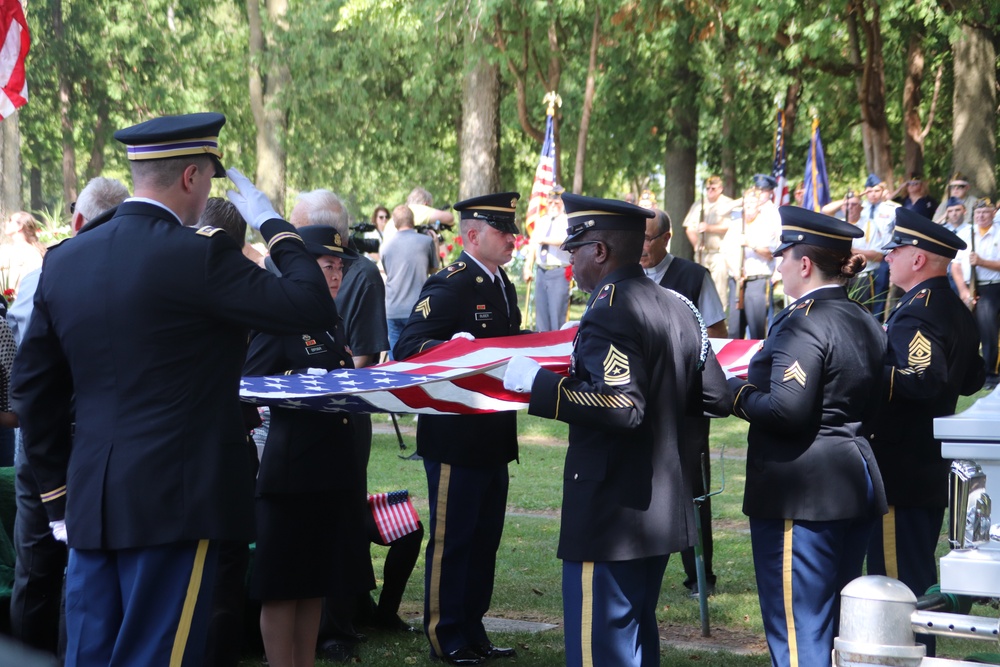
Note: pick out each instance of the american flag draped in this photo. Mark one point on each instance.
(457, 377)
(780, 165)
(394, 514)
(16, 42)
(817, 185)
(545, 174)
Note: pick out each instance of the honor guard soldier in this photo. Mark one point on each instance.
(138, 336)
(813, 489)
(641, 364)
(933, 357)
(976, 271)
(466, 456)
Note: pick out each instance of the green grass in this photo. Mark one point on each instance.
(528, 575)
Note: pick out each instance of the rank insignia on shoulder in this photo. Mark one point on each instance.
(455, 268)
(919, 356)
(616, 368)
(924, 294)
(424, 307)
(795, 372)
(805, 304)
(607, 291)
(209, 231)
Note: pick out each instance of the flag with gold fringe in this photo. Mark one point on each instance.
(817, 184)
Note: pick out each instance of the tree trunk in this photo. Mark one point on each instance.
(35, 185)
(269, 111)
(681, 159)
(974, 109)
(913, 137)
(726, 158)
(479, 141)
(871, 88)
(588, 105)
(791, 112)
(10, 165)
(96, 163)
(65, 120)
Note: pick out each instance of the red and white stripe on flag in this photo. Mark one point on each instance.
(394, 514)
(16, 42)
(538, 203)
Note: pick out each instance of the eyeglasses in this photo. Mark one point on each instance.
(382, 216)
(573, 246)
(650, 239)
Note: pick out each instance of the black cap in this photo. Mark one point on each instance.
(589, 213)
(872, 181)
(916, 230)
(801, 225)
(495, 210)
(323, 240)
(176, 136)
(764, 182)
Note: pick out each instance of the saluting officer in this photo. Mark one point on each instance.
(466, 456)
(813, 489)
(635, 374)
(138, 335)
(933, 356)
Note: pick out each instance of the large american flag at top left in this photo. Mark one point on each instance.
(458, 377)
(16, 42)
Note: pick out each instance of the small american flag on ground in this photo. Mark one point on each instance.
(460, 377)
(394, 514)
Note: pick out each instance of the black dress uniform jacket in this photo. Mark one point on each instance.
(146, 322)
(462, 297)
(811, 399)
(307, 451)
(634, 376)
(933, 357)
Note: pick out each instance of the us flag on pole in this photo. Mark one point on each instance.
(545, 178)
(781, 197)
(16, 42)
(394, 514)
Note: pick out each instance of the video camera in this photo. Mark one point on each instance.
(363, 227)
(435, 227)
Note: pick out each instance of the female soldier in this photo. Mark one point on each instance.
(813, 489)
(304, 485)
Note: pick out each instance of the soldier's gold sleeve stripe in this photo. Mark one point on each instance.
(598, 400)
(281, 237)
(53, 494)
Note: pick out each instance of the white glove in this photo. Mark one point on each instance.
(252, 204)
(316, 371)
(570, 325)
(729, 375)
(519, 374)
(463, 334)
(58, 530)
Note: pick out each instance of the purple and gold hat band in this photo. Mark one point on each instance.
(181, 147)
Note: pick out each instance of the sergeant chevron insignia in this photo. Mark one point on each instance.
(424, 307)
(795, 372)
(616, 370)
(920, 352)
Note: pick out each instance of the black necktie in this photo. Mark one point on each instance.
(498, 286)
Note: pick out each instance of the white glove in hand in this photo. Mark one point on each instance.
(570, 325)
(58, 530)
(729, 375)
(316, 371)
(519, 374)
(463, 334)
(252, 204)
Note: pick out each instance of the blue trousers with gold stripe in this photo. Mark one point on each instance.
(801, 566)
(466, 514)
(147, 606)
(609, 612)
(902, 546)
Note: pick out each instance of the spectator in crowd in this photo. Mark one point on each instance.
(41, 559)
(306, 482)
(878, 214)
(917, 198)
(954, 216)
(706, 225)
(958, 188)
(807, 398)
(982, 255)
(751, 241)
(421, 202)
(408, 259)
(546, 265)
(861, 287)
(466, 456)
(24, 252)
(932, 358)
(158, 473)
(693, 282)
(638, 364)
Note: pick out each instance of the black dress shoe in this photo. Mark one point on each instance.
(488, 650)
(460, 656)
(335, 650)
